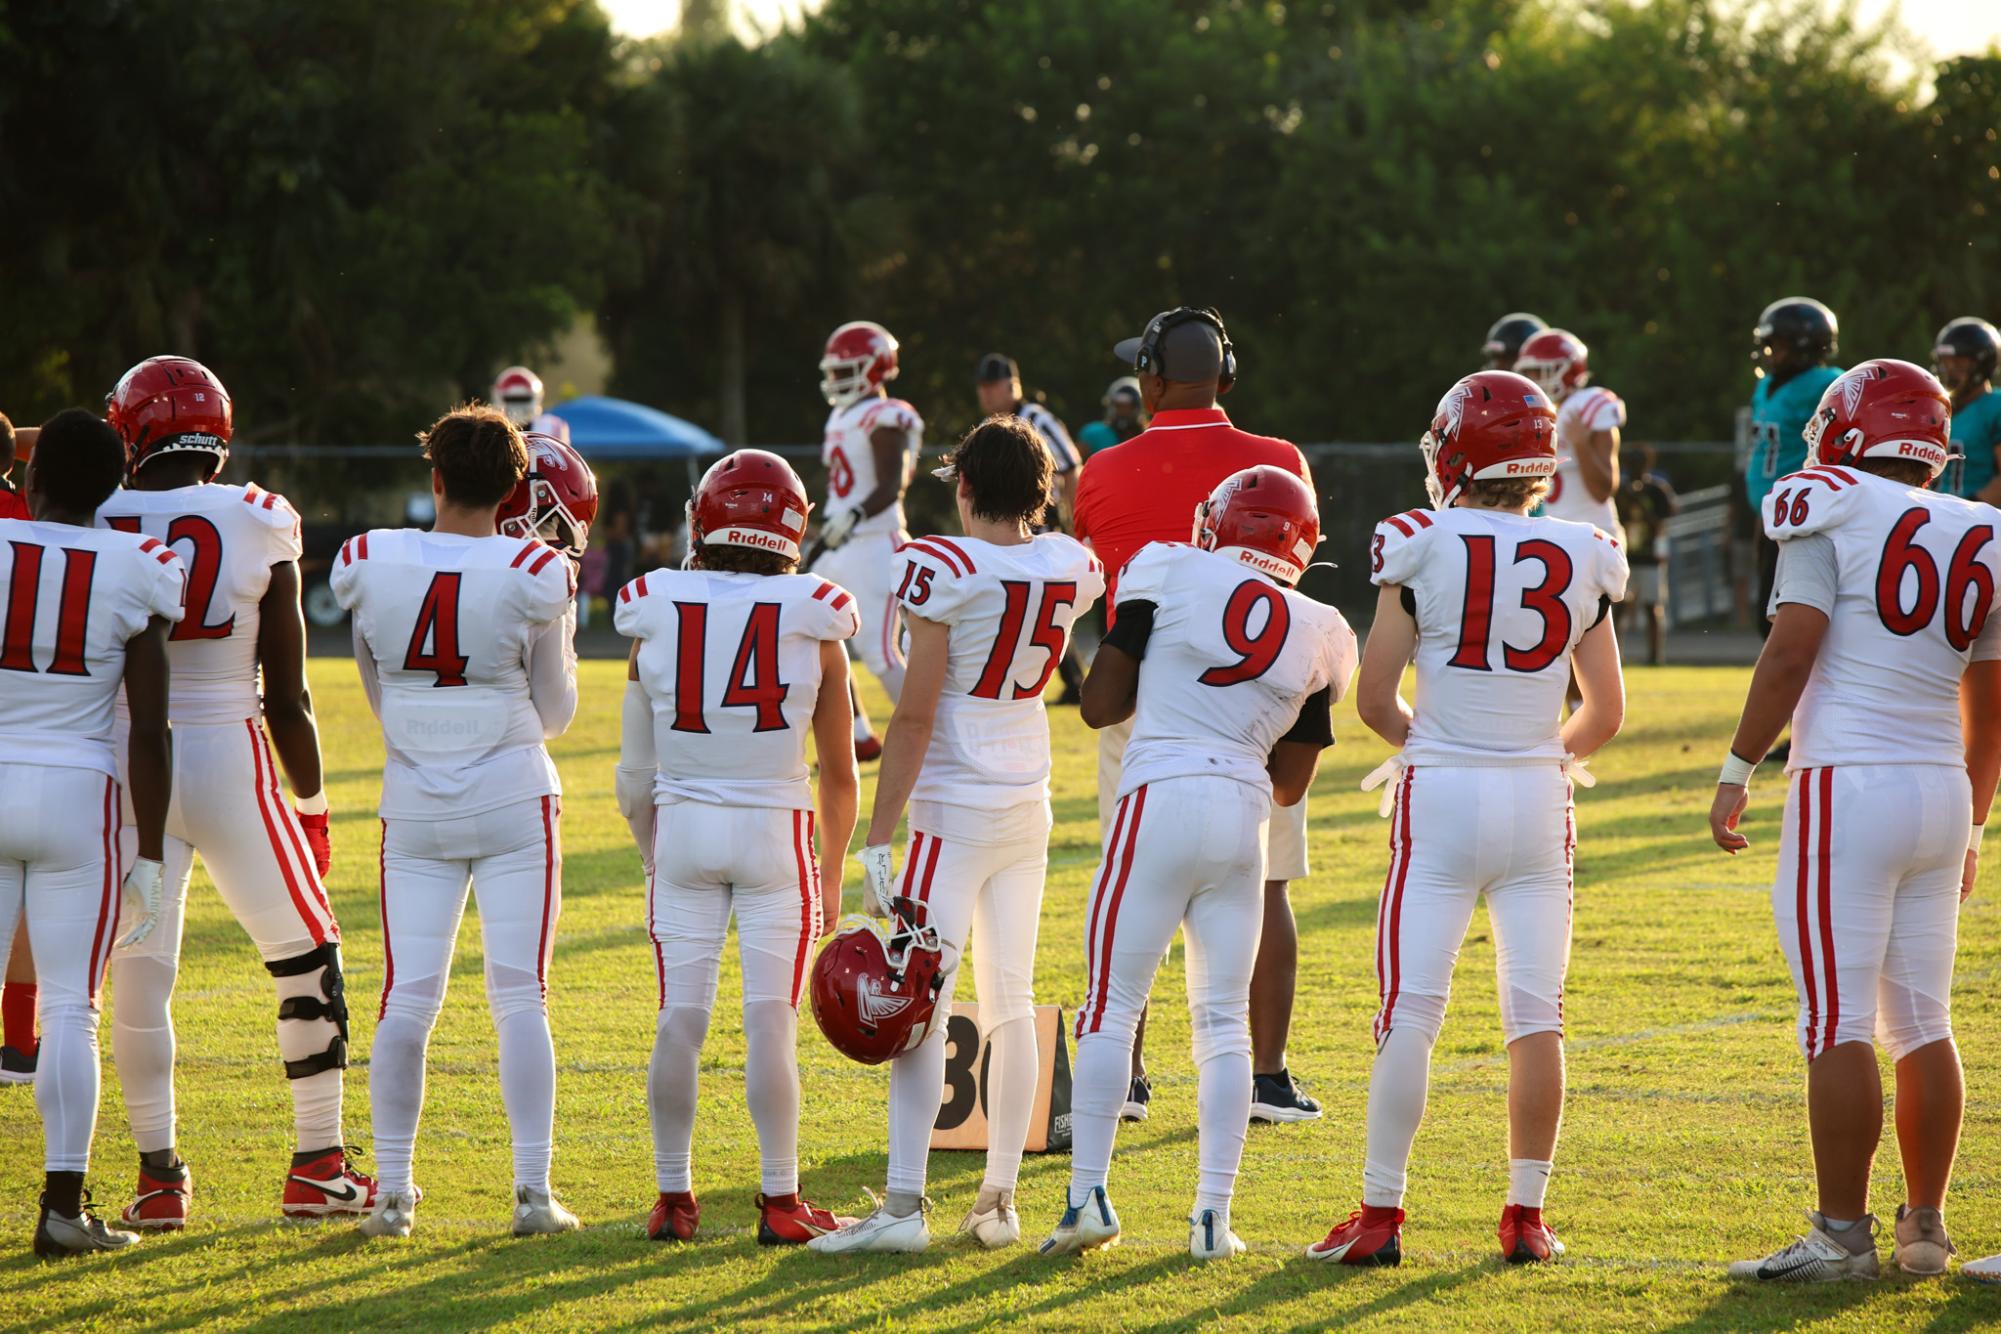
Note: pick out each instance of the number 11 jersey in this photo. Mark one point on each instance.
(1501, 600)
(731, 664)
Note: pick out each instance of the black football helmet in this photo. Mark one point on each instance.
(1505, 339)
(1971, 337)
(1799, 324)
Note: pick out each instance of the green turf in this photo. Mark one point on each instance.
(1684, 1145)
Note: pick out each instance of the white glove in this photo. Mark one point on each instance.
(1574, 770)
(1386, 776)
(139, 900)
(878, 877)
(837, 528)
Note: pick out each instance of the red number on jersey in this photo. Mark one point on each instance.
(916, 586)
(840, 474)
(438, 626)
(204, 568)
(1046, 635)
(1964, 573)
(1476, 617)
(17, 641)
(753, 681)
(1256, 652)
(1790, 507)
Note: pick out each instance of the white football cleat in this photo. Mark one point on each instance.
(395, 1213)
(996, 1227)
(1987, 1270)
(57, 1236)
(880, 1231)
(1210, 1238)
(537, 1214)
(1084, 1227)
(1814, 1258)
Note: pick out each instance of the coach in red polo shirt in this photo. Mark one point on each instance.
(1146, 490)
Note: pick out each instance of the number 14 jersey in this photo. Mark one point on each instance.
(1912, 581)
(1500, 601)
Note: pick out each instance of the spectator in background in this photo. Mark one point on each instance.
(1146, 491)
(1964, 356)
(1125, 417)
(1792, 350)
(998, 382)
(1646, 502)
(615, 535)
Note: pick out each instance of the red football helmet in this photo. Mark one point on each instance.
(1265, 517)
(556, 501)
(1556, 360)
(860, 358)
(875, 993)
(751, 498)
(1882, 409)
(1492, 424)
(517, 391)
(167, 405)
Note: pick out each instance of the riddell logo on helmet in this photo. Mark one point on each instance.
(1520, 469)
(751, 537)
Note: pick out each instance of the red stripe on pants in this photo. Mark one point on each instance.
(1393, 892)
(1803, 787)
(264, 800)
(107, 904)
(551, 865)
(1827, 903)
(382, 900)
(802, 855)
(1112, 910)
(1110, 859)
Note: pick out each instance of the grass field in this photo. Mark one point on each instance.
(1684, 1144)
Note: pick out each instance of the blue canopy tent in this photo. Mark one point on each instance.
(605, 429)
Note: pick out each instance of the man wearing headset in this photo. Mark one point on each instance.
(1146, 491)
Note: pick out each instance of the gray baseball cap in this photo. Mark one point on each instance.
(1190, 352)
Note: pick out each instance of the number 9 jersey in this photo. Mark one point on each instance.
(1906, 577)
(1500, 601)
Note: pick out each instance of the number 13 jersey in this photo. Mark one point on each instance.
(731, 664)
(1906, 578)
(445, 629)
(1229, 661)
(1500, 601)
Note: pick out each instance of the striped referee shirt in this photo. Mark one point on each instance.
(1053, 434)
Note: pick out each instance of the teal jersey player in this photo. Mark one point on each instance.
(1976, 432)
(1779, 415)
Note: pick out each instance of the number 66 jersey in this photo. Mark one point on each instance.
(1906, 577)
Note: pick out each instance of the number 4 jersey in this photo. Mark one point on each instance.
(1500, 600)
(1009, 610)
(70, 599)
(731, 663)
(1906, 577)
(463, 645)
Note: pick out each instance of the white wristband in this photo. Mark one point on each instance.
(1973, 840)
(313, 805)
(1736, 771)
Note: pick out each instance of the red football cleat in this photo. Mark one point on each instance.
(675, 1217)
(328, 1186)
(1372, 1235)
(787, 1220)
(868, 748)
(162, 1205)
(1525, 1238)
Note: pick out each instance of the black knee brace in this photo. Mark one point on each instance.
(325, 959)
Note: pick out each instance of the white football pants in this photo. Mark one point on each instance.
(1285, 834)
(1182, 853)
(865, 565)
(513, 859)
(711, 861)
(59, 867)
(228, 806)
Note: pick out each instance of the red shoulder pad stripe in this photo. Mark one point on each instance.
(149, 544)
(542, 563)
(639, 585)
(841, 602)
(825, 588)
(347, 552)
(250, 494)
(1418, 517)
(956, 550)
(923, 548)
(524, 554)
(1827, 478)
(164, 557)
(270, 499)
(1396, 521)
(361, 547)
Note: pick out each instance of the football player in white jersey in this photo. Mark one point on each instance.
(268, 858)
(83, 610)
(1229, 675)
(1885, 659)
(463, 638)
(1588, 421)
(733, 659)
(517, 391)
(871, 444)
(968, 753)
(1497, 609)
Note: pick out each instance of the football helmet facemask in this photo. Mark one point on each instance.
(556, 501)
(859, 359)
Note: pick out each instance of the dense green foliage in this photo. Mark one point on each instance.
(357, 209)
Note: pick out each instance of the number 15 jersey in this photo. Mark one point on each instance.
(458, 653)
(1500, 601)
(1906, 577)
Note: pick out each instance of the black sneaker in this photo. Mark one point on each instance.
(17, 1066)
(1276, 1098)
(1137, 1098)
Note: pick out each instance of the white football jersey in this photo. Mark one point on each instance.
(1500, 601)
(1231, 658)
(1916, 581)
(448, 622)
(70, 599)
(548, 423)
(731, 663)
(850, 459)
(228, 537)
(1010, 610)
(1591, 408)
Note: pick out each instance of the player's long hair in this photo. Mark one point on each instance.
(742, 560)
(1008, 469)
(1520, 494)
